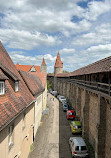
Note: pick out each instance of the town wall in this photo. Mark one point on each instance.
(94, 110)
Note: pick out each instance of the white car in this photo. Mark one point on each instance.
(78, 147)
(62, 99)
(54, 93)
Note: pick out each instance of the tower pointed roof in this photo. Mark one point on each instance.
(43, 62)
(58, 62)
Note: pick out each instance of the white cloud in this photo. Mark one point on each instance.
(26, 40)
(21, 58)
(100, 35)
(67, 51)
(97, 8)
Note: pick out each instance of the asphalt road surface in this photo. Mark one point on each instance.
(46, 144)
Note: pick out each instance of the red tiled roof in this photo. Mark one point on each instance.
(63, 75)
(27, 68)
(43, 62)
(50, 75)
(33, 82)
(3, 76)
(103, 65)
(12, 103)
(58, 62)
(42, 76)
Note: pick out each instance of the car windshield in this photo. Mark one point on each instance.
(70, 113)
(65, 106)
(63, 98)
(77, 148)
(83, 148)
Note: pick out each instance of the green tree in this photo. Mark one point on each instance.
(48, 84)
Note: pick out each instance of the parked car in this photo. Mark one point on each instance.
(70, 114)
(54, 93)
(70, 108)
(62, 98)
(58, 96)
(76, 127)
(65, 107)
(78, 147)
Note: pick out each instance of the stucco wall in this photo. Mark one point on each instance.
(45, 98)
(37, 113)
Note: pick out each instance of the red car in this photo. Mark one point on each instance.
(70, 114)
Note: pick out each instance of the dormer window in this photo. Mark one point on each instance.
(2, 87)
(16, 86)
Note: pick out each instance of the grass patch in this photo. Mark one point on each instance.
(31, 147)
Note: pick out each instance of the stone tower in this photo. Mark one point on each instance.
(43, 66)
(58, 68)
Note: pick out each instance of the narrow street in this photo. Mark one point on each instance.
(51, 140)
(46, 144)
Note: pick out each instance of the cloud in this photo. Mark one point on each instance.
(97, 8)
(26, 40)
(99, 35)
(22, 58)
(67, 51)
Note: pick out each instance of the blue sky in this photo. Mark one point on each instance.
(79, 29)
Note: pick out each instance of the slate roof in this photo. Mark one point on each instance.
(27, 68)
(33, 82)
(12, 103)
(58, 62)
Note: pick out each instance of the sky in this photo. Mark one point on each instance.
(79, 29)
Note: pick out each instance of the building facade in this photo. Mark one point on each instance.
(21, 105)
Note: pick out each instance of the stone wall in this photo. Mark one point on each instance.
(94, 111)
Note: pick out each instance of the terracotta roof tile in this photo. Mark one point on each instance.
(27, 68)
(63, 75)
(3, 76)
(12, 102)
(58, 62)
(103, 65)
(33, 82)
(42, 76)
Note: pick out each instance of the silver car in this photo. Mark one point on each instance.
(78, 147)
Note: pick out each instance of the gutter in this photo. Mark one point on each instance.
(16, 116)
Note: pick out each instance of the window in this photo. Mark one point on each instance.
(77, 148)
(2, 87)
(16, 86)
(11, 135)
(83, 148)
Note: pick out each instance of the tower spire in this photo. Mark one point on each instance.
(58, 62)
(43, 66)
